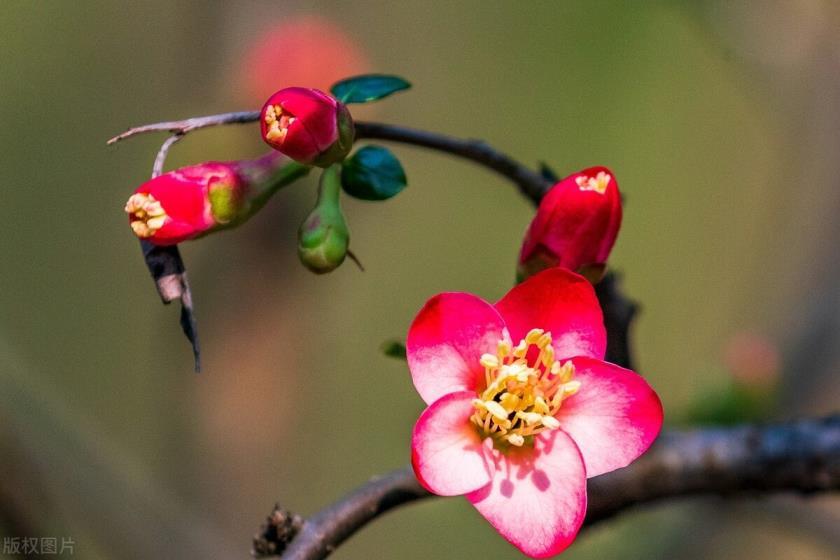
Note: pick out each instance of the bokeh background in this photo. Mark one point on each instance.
(719, 119)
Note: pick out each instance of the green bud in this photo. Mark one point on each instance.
(323, 238)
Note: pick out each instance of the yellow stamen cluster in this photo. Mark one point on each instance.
(278, 123)
(522, 397)
(147, 215)
(598, 183)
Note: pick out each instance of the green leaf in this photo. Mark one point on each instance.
(368, 87)
(373, 173)
(394, 349)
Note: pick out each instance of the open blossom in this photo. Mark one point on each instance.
(576, 225)
(307, 125)
(521, 407)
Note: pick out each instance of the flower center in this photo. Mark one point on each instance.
(598, 183)
(522, 395)
(147, 215)
(278, 122)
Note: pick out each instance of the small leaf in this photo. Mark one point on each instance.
(373, 173)
(368, 87)
(394, 349)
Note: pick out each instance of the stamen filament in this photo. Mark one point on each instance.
(522, 397)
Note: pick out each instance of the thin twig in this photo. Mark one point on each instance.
(531, 183)
(160, 160)
(801, 456)
(188, 125)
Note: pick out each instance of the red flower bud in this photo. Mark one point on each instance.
(186, 203)
(575, 226)
(307, 125)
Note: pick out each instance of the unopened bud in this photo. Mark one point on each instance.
(576, 225)
(323, 238)
(185, 203)
(193, 201)
(307, 125)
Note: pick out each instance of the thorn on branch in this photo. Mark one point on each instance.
(276, 533)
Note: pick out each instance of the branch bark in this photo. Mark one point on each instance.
(801, 457)
(188, 125)
(530, 183)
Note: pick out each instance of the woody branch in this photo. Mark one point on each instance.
(802, 457)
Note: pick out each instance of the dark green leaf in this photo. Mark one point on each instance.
(373, 173)
(369, 87)
(394, 349)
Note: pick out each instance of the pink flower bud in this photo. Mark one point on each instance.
(186, 203)
(307, 125)
(575, 226)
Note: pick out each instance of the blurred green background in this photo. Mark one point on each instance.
(719, 119)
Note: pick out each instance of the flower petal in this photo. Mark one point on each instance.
(446, 450)
(537, 499)
(182, 198)
(561, 302)
(299, 144)
(446, 341)
(574, 225)
(316, 111)
(613, 418)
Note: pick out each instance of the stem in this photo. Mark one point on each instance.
(271, 173)
(188, 125)
(329, 187)
(530, 183)
(801, 456)
(157, 168)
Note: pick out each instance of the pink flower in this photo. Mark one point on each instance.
(186, 203)
(575, 226)
(307, 125)
(522, 409)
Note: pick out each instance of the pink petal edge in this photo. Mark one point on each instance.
(562, 302)
(446, 450)
(446, 340)
(537, 499)
(613, 418)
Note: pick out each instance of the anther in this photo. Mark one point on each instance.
(489, 361)
(550, 422)
(533, 336)
(496, 410)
